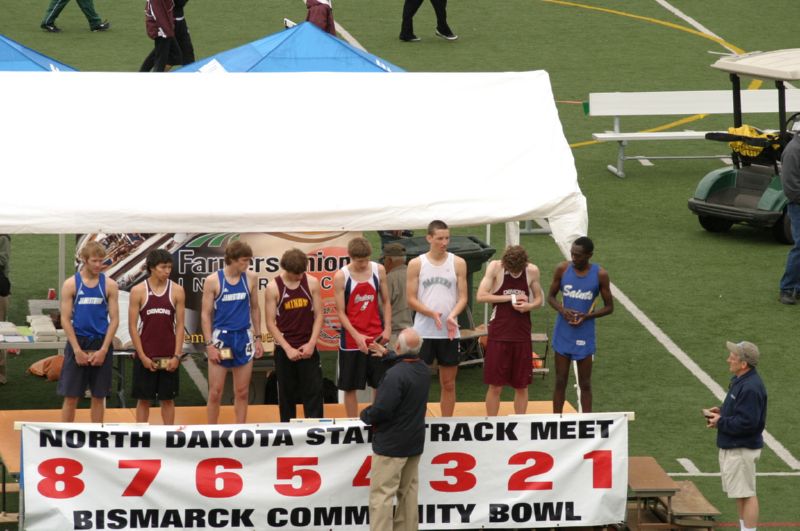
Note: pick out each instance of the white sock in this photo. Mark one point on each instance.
(748, 528)
(741, 525)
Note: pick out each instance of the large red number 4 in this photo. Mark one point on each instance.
(464, 479)
(148, 469)
(310, 480)
(213, 484)
(60, 478)
(542, 463)
(362, 479)
(601, 468)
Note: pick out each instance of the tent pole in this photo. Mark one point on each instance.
(62, 254)
(485, 304)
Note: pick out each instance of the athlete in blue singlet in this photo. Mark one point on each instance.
(89, 316)
(579, 284)
(229, 310)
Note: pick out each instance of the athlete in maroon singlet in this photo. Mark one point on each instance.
(294, 318)
(155, 322)
(508, 285)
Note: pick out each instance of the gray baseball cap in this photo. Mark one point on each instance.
(746, 351)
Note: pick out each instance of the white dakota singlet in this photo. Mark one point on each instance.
(438, 290)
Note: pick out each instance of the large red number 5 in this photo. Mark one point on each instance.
(148, 469)
(464, 480)
(310, 480)
(60, 478)
(601, 468)
(542, 463)
(213, 484)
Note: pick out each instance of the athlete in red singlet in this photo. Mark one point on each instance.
(365, 313)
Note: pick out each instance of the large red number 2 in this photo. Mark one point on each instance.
(542, 463)
(148, 469)
(207, 478)
(60, 478)
(310, 480)
(601, 468)
(464, 479)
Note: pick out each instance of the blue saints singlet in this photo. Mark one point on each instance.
(577, 293)
(232, 305)
(90, 308)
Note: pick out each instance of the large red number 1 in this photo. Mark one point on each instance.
(148, 469)
(542, 463)
(601, 468)
(60, 478)
(464, 479)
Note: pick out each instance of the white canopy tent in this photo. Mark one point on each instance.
(121, 152)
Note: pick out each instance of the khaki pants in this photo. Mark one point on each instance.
(392, 476)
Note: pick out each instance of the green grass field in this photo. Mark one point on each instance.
(700, 289)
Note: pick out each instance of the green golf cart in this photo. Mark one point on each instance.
(750, 191)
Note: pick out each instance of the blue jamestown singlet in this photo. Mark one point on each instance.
(90, 308)
(577, 293)
(232, 305)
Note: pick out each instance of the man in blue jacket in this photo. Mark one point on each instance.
(397, 417)
(740, 423)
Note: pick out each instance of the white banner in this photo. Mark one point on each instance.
(494, 472)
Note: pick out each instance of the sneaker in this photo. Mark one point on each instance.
(409, 38)
(787, 298)
(103, 26)
(448, 35)
(52, 28)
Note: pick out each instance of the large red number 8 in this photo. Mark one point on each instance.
(66, 478)
(464, 479)
(542, 463)
(206, 478)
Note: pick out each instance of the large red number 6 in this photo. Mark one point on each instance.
(207, 478)
(542, 463)
(464, 479)
(66, 478)
(310, 480)
(601, 468)
(148, 469)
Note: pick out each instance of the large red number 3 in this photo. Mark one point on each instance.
(213, 484)
(601, 468)
(148, 469)
(310, 480)
(60, 478)
(542, 463)
(464, 480)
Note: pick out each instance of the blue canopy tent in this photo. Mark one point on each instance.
(303, 48)
(18, 58)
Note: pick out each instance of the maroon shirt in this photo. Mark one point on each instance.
(295, 312)
(159, 18)
(506, 323)
(157, 323)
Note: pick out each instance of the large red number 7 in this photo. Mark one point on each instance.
(310, 480)
(148, 469)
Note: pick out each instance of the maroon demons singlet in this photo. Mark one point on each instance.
(295, 312)
(157, 323)
(506, 323)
